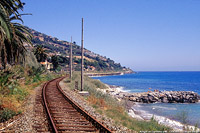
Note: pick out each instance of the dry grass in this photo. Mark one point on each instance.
(88, 59)
(109, 106)
(16, 85)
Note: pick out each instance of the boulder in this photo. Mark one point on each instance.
(164, 100)
(165, 97)
(134, 99)
(176, 99)
(152, 99)
(188, 96)
(144, 99)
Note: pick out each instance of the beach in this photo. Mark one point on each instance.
(116, 91)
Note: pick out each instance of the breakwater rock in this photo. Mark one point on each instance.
(164, 97)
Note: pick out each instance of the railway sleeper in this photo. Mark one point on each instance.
(63, 109)
(64, 113)
(74, 122)
(69, 117)
(77, 129)
(75, 126)
(71, 120)
(67, 112)
(59, 104)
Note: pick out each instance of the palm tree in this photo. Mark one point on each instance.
(40, 53)
(13, 35)
(8, 8)
(55, 61)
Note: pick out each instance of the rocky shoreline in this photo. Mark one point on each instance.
(163, 97)
(135, 99)
(108, 73)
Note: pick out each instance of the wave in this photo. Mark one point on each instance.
(161, 107)
(145, 115)
(121, 89)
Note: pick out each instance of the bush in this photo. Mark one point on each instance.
(36, 78)
(6, 114)
(106, 104)
(15, 85)
(98, 84)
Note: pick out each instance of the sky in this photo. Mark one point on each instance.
(144, 35)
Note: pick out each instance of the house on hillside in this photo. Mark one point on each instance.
(90, 68)
(47, 65)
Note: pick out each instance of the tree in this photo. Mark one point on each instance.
(55, 60)
(40, 53)
(13, 35)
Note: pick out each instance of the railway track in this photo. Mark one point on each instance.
(64, 114)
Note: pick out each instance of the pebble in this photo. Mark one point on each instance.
(85, 105)
(33, 119)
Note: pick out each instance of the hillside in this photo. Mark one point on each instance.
(93, 62)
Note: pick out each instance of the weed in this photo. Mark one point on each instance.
(100, 112)
(196, 126)
(15, 85)
(6, 114)
(94, 106)
(109, 106)
(182, 116)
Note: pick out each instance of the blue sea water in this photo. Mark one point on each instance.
(169, 81)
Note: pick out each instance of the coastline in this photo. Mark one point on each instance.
(115, 91)
(100, 74)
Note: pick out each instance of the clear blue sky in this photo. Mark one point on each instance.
(145, 35)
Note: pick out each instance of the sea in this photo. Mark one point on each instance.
(162, 81)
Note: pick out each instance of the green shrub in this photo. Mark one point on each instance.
(21, 94)
(15, 85)
(113, 109)
(98, 84)
(6, 114)
(36, 78)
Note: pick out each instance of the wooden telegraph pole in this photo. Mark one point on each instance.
(71, 59)
(82, 63)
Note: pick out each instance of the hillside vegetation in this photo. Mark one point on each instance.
(16, 83)
(92, 61)
(23, 50)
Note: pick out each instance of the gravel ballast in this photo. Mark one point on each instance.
(85, 105)
(34, 118)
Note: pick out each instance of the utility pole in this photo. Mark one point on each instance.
(82, 63)
(71, 59)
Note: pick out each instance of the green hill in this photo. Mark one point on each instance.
(92, 61)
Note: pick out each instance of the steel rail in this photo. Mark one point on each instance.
(90, 118)
(46, 106)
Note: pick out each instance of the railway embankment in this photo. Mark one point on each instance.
(83, 103)
(107, 108)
